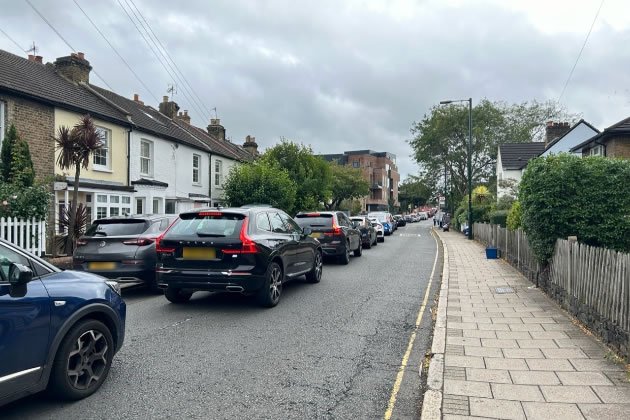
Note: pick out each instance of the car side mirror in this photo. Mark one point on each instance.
(306, 230)
(19, 274)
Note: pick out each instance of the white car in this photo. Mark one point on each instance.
(423, 215)
(380, 230)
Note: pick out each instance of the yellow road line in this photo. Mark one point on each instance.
(405, 359)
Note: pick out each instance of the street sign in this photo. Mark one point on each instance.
(60, 186)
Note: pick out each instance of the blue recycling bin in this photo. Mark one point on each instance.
(492, 253)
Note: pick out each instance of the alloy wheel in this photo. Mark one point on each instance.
(275, 284)
(88, 360)
(318, 266)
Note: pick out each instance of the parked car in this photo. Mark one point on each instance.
(334, 230)
(251, 250)
(380, 230)
(368, 232)
(409, 218)
(58, 329)
(122, 248)
(400, 220)
(392, 222)
(384, 220)
(423, 215)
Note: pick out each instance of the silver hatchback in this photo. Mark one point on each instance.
(122, 248)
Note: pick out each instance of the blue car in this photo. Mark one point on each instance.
(59, 330)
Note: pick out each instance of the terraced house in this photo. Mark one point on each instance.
(153, 161)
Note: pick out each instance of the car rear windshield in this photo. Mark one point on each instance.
(126, 227)
(207, 224)
(314, 220)
(380, 217)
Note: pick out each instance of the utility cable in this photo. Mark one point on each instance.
(581, 50)
(116, 51)
(12, 40)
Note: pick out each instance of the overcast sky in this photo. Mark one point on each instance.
(344, 74)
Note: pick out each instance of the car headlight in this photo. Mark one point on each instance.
(114, 286)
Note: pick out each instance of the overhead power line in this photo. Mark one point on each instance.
(171, 59)
(116, 51)
(64, 40)
(160, 59)
(581, 50)
(12, 40)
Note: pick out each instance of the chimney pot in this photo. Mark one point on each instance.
(81, 55)
(31, 57)
(186, 112)
(136, 97)
(164, 99)
(549, 123)
(39, 59)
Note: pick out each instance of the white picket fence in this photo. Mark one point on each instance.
(27, 234)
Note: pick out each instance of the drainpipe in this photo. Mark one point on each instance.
(129, 158)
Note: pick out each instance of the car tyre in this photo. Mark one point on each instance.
(359, 251)
(175, 295)
(82, 361)
(315, 275)
(269, 295)
(345, 258)
(375, 241)
(369, 244)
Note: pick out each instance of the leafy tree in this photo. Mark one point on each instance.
(76, 146)
(21, 172)
(312, 175)
(6, 153)
(347, 184)
(24, 202)
(567, 195)
(260, 182)
(414, 191)
(514, 219)
(440, 139)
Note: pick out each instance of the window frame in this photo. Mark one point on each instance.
(196, 170)
(108, 151)
(149, 158)
(166, 202)
(600, 150)
(218, 173)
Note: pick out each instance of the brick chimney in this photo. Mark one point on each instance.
(250, 145)
(36, 58)
(168, 108)
(216, 130)
(555, 130)
(136, 98)
(73, 67)
(184, 116)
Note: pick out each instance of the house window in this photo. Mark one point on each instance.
(156, 206)
(114, 211)
(126, 199)
(114, 199)
(170, 207)
(597, 151)
(355, 164)
(101, 212)
(1, 122)
(146, 161)
(218, 173)
(101, 156)
(139, 205)
(101, 198)
(126, 211)
(196, 165)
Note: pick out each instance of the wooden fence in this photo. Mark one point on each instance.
(27, 234)
(590, 282)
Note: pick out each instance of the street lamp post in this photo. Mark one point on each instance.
(469, 100)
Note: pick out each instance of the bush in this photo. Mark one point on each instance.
(514, 219)
(505, 202)
(499, 217)
(567, 195)
(24, 203)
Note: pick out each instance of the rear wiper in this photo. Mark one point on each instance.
(211, 235)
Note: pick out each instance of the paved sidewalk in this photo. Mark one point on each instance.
(517, 355)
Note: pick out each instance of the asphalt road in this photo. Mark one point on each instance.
(328, 351)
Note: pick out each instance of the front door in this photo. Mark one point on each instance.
(24, 328)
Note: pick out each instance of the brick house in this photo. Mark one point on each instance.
(613, 142)
(380, 169)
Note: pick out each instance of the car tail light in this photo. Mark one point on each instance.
(210, 213)
(138, 241)
(248, 246)
(336, 231)
(81, 242)
(159, 248)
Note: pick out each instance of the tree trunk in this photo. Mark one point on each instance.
(73, 212)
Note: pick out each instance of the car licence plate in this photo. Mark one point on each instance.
(101, 265)
(317, 235)
(199, 254)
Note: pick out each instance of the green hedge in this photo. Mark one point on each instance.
(515, 220)
(499, 217)
(567, 195)
(24, 203)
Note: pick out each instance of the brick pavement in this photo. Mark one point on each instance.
(518, 355)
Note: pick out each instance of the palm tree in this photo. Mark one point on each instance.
(76, 145)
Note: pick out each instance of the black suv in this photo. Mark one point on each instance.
(248, 250)
(336, 233)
